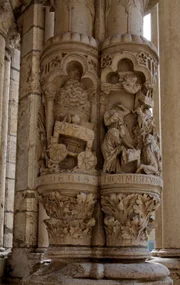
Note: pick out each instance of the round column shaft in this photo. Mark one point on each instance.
(4, 143)
(74, 16)
(124, 17)
(170, 89)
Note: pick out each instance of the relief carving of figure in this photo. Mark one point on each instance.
(145, 119)
(111, 149)
(71, 133)
(115, 118)
(117, 147)
(71, 103)
(151, 157)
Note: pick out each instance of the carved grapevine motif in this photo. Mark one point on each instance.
(128, 217)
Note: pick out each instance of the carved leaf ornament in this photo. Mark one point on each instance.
(69, 216)
(128, 217)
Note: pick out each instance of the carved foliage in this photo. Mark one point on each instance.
(70, 217)
(128, 218)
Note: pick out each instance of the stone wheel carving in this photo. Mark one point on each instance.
(86, 160)
(58, 152)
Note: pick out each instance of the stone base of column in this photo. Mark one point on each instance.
(98, 272)
(155, 252)
(173, 264)
(3, 258)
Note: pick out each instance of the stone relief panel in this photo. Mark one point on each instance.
(66, 124)
(131, 143)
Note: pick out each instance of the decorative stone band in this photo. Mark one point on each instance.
(132, 39)
(84, 252)
(129, 203)
(126, 183)
(67, 183)
(71, 37)
(69, 201)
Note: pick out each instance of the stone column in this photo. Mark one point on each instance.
(170, 106)
(11, 148)
(157, 116)
(2, 54)
(6, 20)
(49, 24)
(66, 19)
(26, 204)
(127, 185)
(4, 135)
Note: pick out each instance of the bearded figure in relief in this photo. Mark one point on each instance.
(72, 103)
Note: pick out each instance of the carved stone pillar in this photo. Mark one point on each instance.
(131, 182)
(75, 112)
(68, 124)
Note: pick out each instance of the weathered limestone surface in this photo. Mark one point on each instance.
(8, 42)
(169, 68)
(88, 176)
(157, 116)
(26, 204)
(99, 151)
(11, 148)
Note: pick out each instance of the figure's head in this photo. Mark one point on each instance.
(75, 73)
(149, 139)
